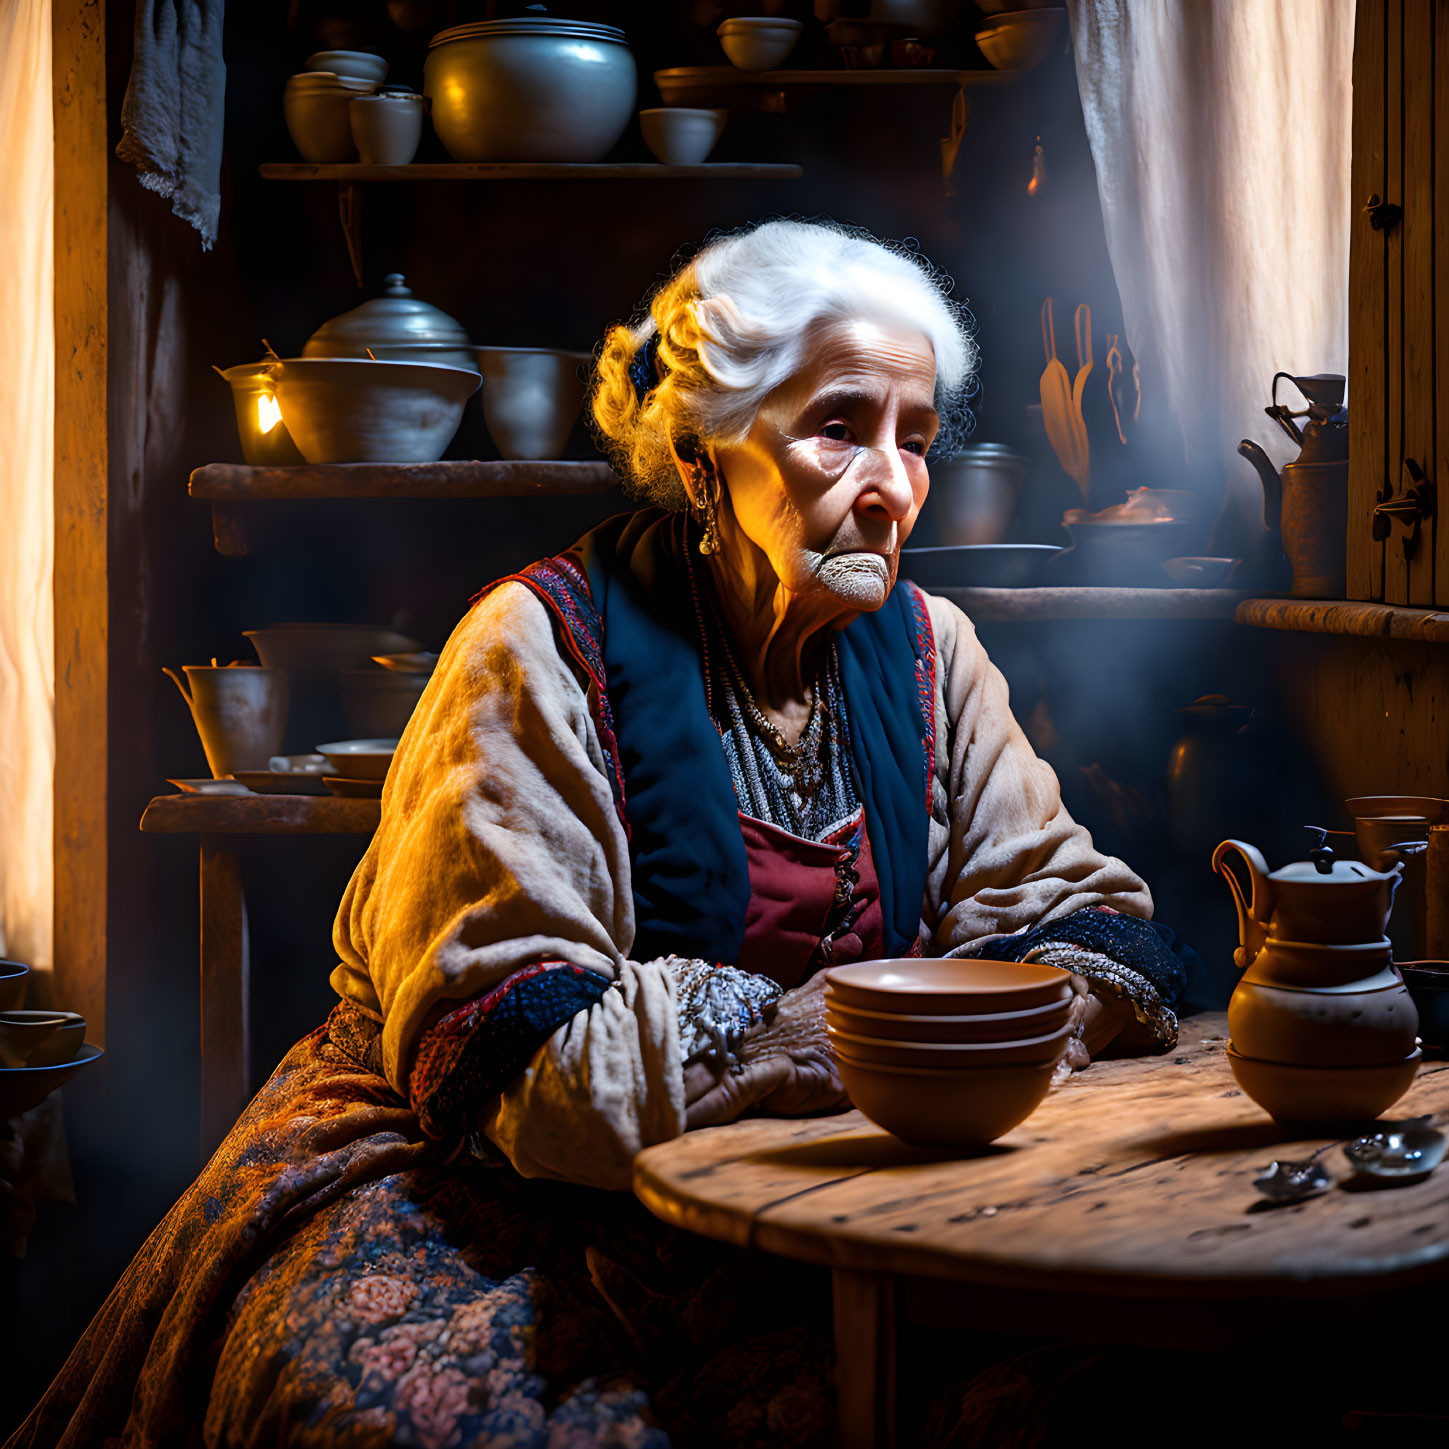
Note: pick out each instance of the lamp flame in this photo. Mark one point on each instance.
(268, 413)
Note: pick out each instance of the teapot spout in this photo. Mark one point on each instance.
(1253, 906)
(1272, 483)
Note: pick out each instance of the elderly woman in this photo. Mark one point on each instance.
(657, 786)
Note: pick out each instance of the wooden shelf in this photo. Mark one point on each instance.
(681, 78)
(531, 171)
(226, 486)
(470, 478)
(1346, 618)
(260, 815)
(1080, 602)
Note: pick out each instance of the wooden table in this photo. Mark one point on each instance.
(225, 967)
(1132, 1181)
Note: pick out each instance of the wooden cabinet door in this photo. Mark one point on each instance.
(1399, 303)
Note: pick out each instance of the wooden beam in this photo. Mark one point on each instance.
(260, 815)
(78, 38)
(241, 482)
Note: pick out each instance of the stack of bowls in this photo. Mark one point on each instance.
(948, 1052)
(315, 106)
(39, 1050)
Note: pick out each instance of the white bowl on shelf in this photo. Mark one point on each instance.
(360, 759)
(531, 399)
(387, 130)
(356, 64)
(758, 43)
(681, 135)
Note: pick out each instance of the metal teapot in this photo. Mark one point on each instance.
(1319, 900)
(1306, 505)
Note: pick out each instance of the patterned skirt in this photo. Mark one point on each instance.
(328, 1280)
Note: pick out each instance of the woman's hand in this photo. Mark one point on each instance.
(786, 1068)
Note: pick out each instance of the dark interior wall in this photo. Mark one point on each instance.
(525, 263)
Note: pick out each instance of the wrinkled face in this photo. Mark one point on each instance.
(830, 478)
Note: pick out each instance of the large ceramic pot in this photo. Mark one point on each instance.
(973, 495)
(530, 89)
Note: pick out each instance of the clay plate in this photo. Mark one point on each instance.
(948, 987)
(969, 1055)
(353, 789)
(282, 782)
(905, 1026)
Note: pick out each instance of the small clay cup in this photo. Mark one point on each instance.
(39, 1038)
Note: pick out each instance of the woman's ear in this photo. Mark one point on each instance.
(696, 468)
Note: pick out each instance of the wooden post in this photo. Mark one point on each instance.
(78, 39)
(865, 1359)
(225, 992)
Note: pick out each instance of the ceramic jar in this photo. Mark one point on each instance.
(315, 106)
(530, 89)
(387, 129)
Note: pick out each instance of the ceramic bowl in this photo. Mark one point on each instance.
(758, 43)
(1365, 1027)
(1019, 40)
(681, 135)
(997, 1027)
(948, 987)
(315, 107)
(386, 130)
(938, 1108)
(355, 410)
(1031, 1051)
(1198, 573)
(1124, 554)
(360, 759)
(378, 702)
(39, 1038)
(530, 88)
(1375, 834)
(22, 1088)
(12, 984)
(1299, 1094)
(531, 399)
(302, 648)
(1436, 812)
(980, 566)
(265, 440)
(355, 64)
(1428, 984)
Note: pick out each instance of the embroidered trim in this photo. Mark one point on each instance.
(478, 1048)
(925, 682)
(562, 585)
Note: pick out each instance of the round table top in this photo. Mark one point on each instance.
(1132, 1177)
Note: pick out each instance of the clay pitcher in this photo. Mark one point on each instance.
(240, 712)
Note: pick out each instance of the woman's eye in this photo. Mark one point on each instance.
(836, 432)
(918, 446)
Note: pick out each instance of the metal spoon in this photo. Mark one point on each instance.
(1293, 1181)
(1402, 1154)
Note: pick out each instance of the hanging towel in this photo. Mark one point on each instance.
(172, 116)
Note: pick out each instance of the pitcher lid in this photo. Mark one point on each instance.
(1323, 868)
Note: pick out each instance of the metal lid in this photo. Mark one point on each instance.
(396, 318)
(542, 25)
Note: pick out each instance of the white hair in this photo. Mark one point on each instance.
(734, 323)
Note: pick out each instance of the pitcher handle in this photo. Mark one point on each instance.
(1247, 922)
(180, 683)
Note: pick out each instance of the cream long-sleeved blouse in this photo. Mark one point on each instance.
(500, 846)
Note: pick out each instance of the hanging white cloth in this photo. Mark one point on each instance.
(1221, 135)
(27, 405)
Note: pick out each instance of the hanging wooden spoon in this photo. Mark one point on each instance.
(1064, 428)
(1114, 384)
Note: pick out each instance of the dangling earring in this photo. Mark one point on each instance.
(709, 539)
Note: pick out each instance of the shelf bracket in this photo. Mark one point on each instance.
(951, 145)
(228, 532)
(349, 208)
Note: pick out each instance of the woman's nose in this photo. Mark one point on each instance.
(886, 484)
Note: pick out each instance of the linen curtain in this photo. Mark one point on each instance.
(27, 398)
(1221, 133)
